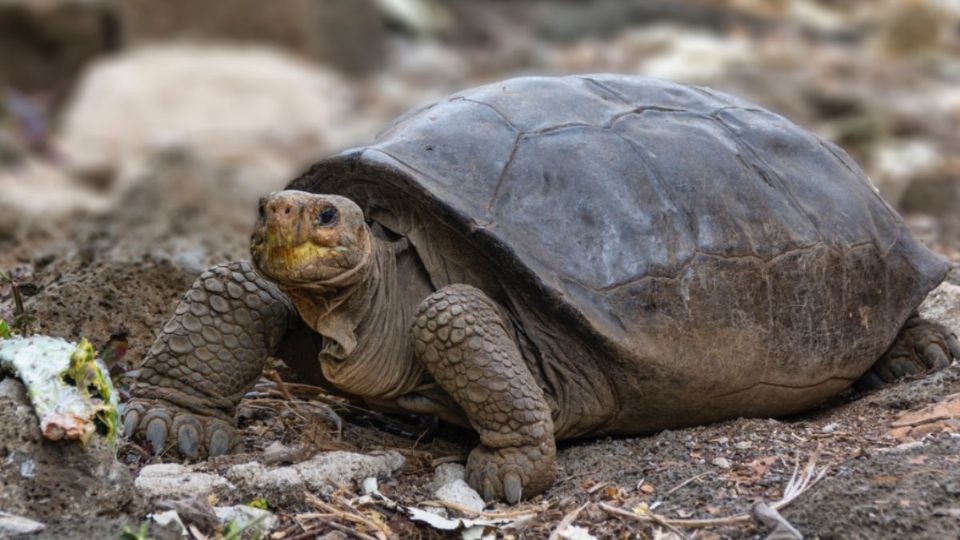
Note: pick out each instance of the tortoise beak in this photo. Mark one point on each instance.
(282, 221)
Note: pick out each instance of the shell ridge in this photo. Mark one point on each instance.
(751, 152)
(495, 110)
(403, 118)
(658, 186)
(763, 261)
(501, 176)
(595, 85)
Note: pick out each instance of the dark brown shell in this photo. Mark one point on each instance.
(648, 208)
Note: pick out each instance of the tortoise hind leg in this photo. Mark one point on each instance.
(922, 346)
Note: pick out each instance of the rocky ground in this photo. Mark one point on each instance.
(112, 206)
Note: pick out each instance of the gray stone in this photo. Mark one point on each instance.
(280, 486)
(285, 485)
(173, 481)
(325, 468)
(446, 473)
(941, 306)
(11, 525)
(723, 463)
(242, 515)
(459, 493)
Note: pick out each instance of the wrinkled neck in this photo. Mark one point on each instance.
(366, 350)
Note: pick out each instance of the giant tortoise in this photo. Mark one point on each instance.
(550, 258)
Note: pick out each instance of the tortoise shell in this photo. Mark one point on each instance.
(684, 231)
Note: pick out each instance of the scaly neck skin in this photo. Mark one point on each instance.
(366, 347)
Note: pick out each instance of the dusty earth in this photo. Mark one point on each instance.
(124, 270)
(114, 261)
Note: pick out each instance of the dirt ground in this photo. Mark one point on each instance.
(126, 269)
(109, 252)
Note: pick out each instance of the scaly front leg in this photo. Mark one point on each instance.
(461, 339)
(207, 356)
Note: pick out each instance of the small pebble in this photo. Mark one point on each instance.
(723, 463)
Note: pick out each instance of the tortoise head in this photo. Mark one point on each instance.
(310, 240)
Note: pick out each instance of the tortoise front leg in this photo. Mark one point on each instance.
(462, 341)
(205, 359)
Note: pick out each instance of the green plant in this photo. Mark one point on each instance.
(140, 534)
(235, 532)
(260, 503)
(22, 319)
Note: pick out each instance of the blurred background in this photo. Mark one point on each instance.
(136, 135)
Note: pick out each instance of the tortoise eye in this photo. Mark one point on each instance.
(328, 216)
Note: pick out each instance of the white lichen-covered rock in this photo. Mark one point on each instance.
(346, 467)
(449, 485)
(242, 516)
(174, 481)
(229, 103)
(285, 485)
(446, 473)
(458, 492)
(280, 486)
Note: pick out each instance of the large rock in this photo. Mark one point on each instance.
(225, 103)
(43, 480)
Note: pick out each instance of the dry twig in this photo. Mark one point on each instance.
(567, 521)
(685, 482)
(798, 484)
(349, 513)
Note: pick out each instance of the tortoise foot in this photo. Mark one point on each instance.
(511, 474)
(175, 432)
(922, 346)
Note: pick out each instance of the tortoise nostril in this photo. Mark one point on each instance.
(286, 210)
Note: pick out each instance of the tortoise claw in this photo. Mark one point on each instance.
(511, 473)
(188, 436)
(157, 434)
(175, 432)
(131, 420)
(935, 357)
(954, 346)
(219, 440)
(489, 492)
(512, 487)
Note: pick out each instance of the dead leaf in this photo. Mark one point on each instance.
(934, 418)
(885, 479)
